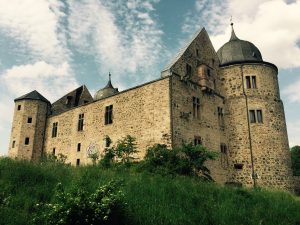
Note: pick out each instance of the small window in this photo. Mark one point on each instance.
(77, 162)
(85, 101)
(54, 129)
(220, 116)
(248, 82)
(78, 147)
(19, 107)
(197, 52)
(188, 70)
(27, 141)
(29, 120)
(251, 82)
(108, 114)
(69, 100)
(223, 148)
(197, 140)
(238, 166)
(80, 122)
(53, 151)
(259, 116)
(208, 72)
(252, 116)
(213, 62)
(196, 107)
(13, 144)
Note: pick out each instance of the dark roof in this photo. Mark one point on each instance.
(34, 95)
(237, 51)
(107, 91)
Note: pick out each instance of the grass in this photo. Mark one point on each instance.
(152, 199)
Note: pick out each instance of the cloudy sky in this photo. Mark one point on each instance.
(54, 46)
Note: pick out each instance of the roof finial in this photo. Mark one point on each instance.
(233, 36)
(109, 76)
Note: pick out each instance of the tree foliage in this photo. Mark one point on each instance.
(295, 154)
(184, 160)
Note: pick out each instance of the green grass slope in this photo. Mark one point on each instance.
(151, 199)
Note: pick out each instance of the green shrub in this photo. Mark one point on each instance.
(295, 154)
(122, 153)
(104, 206)
(185, 160)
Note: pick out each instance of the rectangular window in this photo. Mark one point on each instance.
(19, 107)
(108, 114)
(54, 129)
(256, 116)
(197, 140)
(80, 122)
(197, 52)
(220, 116)
(53, 151)
(188, 70)
(13, 144)
(78, 147)
(223, 148)
(252, 116)
(196, 107)
(29, 120)
(248, 82)
(27, 141)
(251, 82)
(77, 162)
(208, 72)
(259, 116)
(69, 100)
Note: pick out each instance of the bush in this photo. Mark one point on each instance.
(185, 160)
(122, 153)
(295, 154)
(105, 206)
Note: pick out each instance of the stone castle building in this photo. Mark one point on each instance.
(227, 100)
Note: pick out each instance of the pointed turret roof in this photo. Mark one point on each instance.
(233, 36)
(107, 91)
(34, 95)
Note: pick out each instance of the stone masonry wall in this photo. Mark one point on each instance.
(21, 129)
(270, 150)
(142, 112)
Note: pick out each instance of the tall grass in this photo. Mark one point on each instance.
(152, 199)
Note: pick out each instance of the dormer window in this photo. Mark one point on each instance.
(69, 100)
(188, 70)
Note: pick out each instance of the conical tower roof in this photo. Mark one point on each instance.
(107, 91)
(34, 95)
(237, 51)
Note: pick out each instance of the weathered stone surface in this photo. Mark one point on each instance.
(163, 112)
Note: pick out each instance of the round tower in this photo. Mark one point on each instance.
(254, 118)
(28, 127)
(107, 91)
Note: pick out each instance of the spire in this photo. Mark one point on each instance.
(233, 36)
(109, 85)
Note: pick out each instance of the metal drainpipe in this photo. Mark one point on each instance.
(249, 131)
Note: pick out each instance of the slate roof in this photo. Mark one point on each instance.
(34, 95)
(236, 51)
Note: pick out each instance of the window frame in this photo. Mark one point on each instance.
(54, 129)
(252, 116)
(27, 141)
(196, 107)
(80, 124)
(108, 115)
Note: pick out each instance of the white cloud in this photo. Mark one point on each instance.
(36, 24)
(294, 131)
(51, 80)
(258, 21)
(124, 35)
(292, 92)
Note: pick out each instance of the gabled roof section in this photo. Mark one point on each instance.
(34, 95)
(77, 97)
(182, 50)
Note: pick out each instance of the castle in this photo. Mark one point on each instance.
(227, 101)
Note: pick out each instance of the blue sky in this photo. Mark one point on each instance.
(54, 46)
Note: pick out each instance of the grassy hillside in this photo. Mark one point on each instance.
(151, 199)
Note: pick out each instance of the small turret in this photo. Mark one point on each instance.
(28, 128)
(107, 91)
